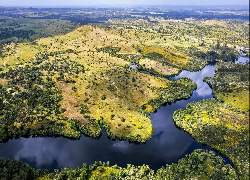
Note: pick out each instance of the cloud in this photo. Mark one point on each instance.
(37, 149)
(202, 87)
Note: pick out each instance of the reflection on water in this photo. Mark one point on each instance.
(133, 66)
(167, 145)
(203, 90)
(242, 59)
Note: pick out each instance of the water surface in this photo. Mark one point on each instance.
(168, 144)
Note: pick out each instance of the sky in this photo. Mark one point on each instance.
(118, 2)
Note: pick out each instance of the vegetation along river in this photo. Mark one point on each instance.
(167, 145)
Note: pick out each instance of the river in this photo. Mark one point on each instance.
(168, 144)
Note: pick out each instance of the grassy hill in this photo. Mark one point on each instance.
(77, 82)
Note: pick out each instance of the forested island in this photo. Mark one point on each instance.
(62, 78)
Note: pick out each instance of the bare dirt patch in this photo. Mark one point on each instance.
(69, 103)
(4, 82)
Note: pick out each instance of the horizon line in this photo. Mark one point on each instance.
(120, 5)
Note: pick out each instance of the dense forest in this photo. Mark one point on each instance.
(199, 164)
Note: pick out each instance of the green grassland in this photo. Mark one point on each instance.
(90, 88)
(223, 124)
(199, 164)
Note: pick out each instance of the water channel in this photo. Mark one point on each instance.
(168, 144)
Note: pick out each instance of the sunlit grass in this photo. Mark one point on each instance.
(236, 98)
(220, 126)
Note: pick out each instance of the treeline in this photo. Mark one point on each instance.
(199, 164)
(229, 76)
(110, 50)
(216, 53)
(6, 33)
(20, 29)
(182, 88)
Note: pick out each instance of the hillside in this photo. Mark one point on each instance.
(61, 77)
(74, 83)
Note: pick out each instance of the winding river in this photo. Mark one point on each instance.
(168, 144)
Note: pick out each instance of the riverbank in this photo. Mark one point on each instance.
(223, 124)
(199, 164)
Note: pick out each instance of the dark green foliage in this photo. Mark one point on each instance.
(122, 119)
(103, 97)
(91, 129)
(194, 52)
(112, 116)
(28, 29)
(199, 164)
(133, 79)
(216, 53)
(84, 109)
(229, 76)
(229, 134)
(109, 49)
(6, 33)
(74, 124)
(111, 88)
(35, 101)
(133, 58)
(156, 56)
(16, 170)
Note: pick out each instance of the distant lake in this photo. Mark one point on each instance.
(167, 145)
